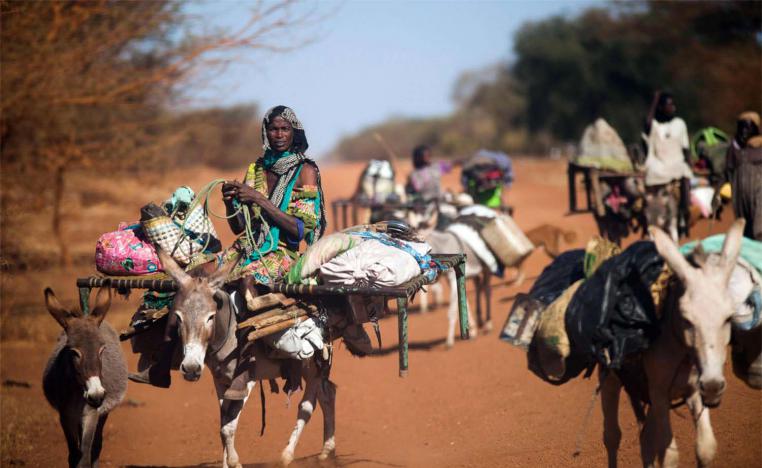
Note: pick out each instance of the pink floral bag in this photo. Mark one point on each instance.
(123, 253)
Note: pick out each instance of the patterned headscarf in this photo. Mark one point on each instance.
(299, 144)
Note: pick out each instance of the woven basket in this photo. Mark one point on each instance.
(165, 234)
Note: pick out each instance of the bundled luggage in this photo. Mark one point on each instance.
(486, 172)
(494, 237)
(126, 251)
(179, 227)
(362, 256)
(590, 307)
(602, 148)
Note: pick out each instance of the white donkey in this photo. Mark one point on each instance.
(685, 362)
(208, 335)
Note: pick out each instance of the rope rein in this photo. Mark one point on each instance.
(202, 198)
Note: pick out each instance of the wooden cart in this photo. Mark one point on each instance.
(401, 293)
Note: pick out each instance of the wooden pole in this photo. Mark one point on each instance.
(402, 330)
(273, 329)
(460, 277)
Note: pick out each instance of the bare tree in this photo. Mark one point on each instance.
(86, 85)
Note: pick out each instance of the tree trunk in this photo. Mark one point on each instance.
(64, 258)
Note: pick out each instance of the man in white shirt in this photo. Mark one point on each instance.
(666, 136)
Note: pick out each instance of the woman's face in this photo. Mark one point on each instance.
(280, 134)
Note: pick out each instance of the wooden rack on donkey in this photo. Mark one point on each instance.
(281, 314)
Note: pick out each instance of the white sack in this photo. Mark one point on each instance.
(372, 264)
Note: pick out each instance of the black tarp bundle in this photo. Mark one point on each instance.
(565, 270)
(612, 314)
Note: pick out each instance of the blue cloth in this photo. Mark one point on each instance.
(755, 301)
(751, 250)
(293, 242)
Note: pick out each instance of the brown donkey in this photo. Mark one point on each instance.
(685, 362)
(85, 377)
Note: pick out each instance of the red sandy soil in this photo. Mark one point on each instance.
(474, 405)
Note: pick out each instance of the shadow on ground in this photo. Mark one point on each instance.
(304, 462)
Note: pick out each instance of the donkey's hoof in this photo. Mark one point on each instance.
(449, 344)
(326, 454)
(487, 327)
(286, 458)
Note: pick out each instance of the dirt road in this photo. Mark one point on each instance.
(474, 405)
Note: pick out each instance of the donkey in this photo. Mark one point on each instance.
(661, 210)
(446, 242)
(686, 360)
(85, 377)
(207, 328)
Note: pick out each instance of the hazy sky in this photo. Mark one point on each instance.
(374, 60)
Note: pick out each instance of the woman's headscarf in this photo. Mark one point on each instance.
(299, 144)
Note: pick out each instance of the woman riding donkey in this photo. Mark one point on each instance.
(283, 194)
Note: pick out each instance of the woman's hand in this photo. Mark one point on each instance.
(248, 195)
(230, 190)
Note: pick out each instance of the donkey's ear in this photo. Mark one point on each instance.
(61, 314)
(732, 246)
(219, 277)
(174, 270)
(102, 304)
(668, 250)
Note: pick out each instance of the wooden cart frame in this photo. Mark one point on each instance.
(403, 293)
(591, 178)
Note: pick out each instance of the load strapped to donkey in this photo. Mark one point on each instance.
(339, 283)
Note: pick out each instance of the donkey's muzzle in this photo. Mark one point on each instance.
(94, 392)
(711, 392)
(191, 372)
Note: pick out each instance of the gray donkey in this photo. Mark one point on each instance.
(85, 377)
(208, 337)
(687, 359)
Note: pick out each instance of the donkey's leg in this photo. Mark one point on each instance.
(423, 296)
(657, 443)
(611, 388)
(437, 290)
(89, 426)
(98, 441)
(230, 412)
(327, 400)
(70, 421)
(487, 285)
(478, 288)
(520, 275)
(306, 407)
(706, 444)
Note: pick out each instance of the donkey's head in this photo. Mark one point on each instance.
(195, 306)
(661, 210)
(705, 307)
(84, 343)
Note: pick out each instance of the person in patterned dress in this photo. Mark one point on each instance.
(283, 195)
